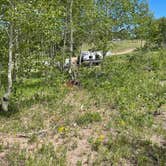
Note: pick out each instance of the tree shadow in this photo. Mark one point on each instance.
(147, 153)
(140, 151)
(13, 109)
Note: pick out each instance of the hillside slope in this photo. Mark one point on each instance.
(116, 117)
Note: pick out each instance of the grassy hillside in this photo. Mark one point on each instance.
(120, 46)
(123, 45)
(116, 117)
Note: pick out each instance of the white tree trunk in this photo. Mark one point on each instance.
(0, 74)
(5, 98)
(71, 30)
(64, 48)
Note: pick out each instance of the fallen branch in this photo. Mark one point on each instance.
(29, 135)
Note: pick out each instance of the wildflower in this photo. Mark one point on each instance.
(61, 129)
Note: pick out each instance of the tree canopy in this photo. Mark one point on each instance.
(33, 31)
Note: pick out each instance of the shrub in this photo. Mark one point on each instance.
(88, 118)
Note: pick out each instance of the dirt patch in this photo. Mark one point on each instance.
(75, 98)
(159, 140)
(9, 140)
(82, 152)
(160, 119)
(2, 159)
(75, 139)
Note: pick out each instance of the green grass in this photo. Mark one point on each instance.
(128, 82)
(45, 155)
(31, 100)
(118, 46)
(88, 118)
(118, 101)
(123, 45)
(130, 87)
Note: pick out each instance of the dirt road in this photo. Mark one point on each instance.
(109, 53)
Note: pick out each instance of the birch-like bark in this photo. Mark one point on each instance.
(71, 30)
(16, 58)
(6, 97)
(0, 74)
(64, 48)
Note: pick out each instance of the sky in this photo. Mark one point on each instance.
(158, 7)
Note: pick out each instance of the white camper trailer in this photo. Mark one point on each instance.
(90, 57)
